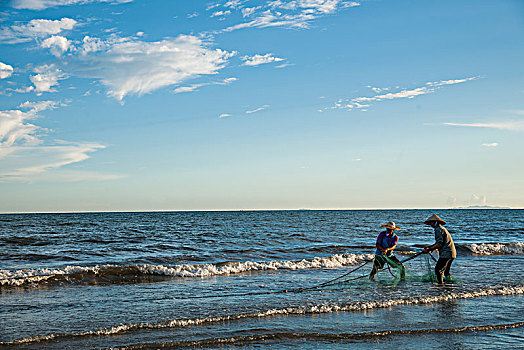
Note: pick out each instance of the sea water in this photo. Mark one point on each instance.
(256, 279)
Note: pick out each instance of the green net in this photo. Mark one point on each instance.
(419, 269)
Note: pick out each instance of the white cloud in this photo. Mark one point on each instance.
(248, 11)
(257, 109)
(22, 90)
(43, 4)
(356, 160)
(47, 77)
(187, 88)
(194, 87)
(229, 80)
(377, 89)
(493, 144)
(220, 13)
(477, 199)
(212, 6)
(364, 102)
(56, 44)
(36, 28)
(291, 14)
(36, 107)
(450, 82)
(516, 125)
(15, 129)
(260, 59)
(24, 154)
(32, 160)
(234, 3)
(5, 70)
(130, 66)
(320, 6)
(224, 115)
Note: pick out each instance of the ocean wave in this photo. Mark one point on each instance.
(146, 272)
(516, 248)
(288, 311)
(329, 337)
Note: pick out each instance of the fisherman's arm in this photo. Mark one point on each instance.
(379, 247)
(432, 247)
(389, 249)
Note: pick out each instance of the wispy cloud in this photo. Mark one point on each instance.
(189, 88)
(514, 125)
(257, 109)
(36, 28)
(365, 102)
(23, 152)
(43, 4)
(132, 66)
(220, 13)
(5, 70)
(260, 59)
(194, 87)
(493, 144)
(15, 128)
(291, 14)
(224, 115)
(32, 160)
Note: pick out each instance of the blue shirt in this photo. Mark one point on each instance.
(386, 241)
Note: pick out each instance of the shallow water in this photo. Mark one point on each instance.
(199, 279)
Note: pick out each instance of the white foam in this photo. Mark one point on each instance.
(27, 276)
(300, 310)
(331, 262)
(20, 277)
(496, 248)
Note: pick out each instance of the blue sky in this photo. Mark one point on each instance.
(109, 105)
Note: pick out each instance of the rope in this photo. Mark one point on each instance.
(296, 290)
(304, 289)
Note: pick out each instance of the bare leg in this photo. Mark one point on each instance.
(373, 272)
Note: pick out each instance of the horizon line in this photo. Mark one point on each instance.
(248, 210)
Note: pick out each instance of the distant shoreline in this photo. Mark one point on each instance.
(481, 207)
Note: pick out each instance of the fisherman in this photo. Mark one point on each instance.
(386, 243)
(444, 244)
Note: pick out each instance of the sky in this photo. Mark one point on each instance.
(138, 105)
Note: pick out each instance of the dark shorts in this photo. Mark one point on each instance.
(381, 260)
(442, 268)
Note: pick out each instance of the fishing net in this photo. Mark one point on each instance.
(419, 269)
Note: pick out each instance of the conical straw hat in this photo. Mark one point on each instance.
(434, 217)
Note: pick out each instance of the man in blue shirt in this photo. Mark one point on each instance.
(386, 243)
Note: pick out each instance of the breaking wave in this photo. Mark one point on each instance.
(147, 272)
(296, 310)
(494, 248)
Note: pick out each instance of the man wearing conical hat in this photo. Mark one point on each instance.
(444, 244)
(386, 243)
